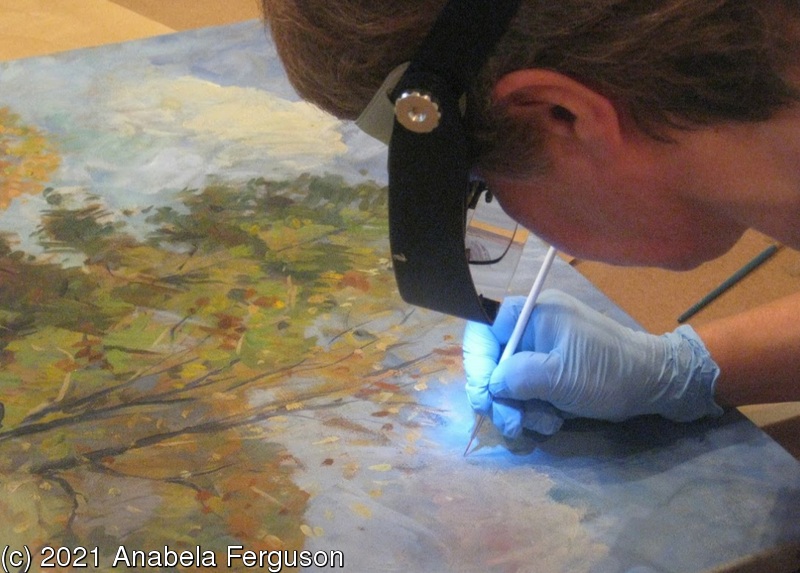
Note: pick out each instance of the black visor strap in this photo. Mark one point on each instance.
(429, 172)
(460, 42)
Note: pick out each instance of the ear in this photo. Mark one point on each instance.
(566, 110)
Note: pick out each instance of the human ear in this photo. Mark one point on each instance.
(565, 110)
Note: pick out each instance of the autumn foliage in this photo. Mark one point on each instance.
(130, 360)
(27, 158)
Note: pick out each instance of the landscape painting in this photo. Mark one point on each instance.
(205, 361)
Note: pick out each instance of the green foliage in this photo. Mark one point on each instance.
(36, 294)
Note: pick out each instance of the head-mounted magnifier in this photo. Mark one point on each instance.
(419, 111)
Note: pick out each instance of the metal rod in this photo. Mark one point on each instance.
(729, 282)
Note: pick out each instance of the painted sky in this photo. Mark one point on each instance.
(136, 120)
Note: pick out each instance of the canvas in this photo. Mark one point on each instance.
(205, 360)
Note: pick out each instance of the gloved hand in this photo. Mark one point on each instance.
(573, 361)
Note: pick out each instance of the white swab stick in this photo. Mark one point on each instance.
(522, 322)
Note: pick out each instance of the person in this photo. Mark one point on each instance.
(635, 133)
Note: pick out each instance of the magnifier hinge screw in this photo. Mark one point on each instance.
(417, 111)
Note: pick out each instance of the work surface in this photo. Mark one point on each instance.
(214, 353)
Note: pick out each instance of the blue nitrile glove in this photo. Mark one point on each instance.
(573, 361)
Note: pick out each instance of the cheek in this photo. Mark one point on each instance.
(579, 230)
(544, 213)
(614, 229)
(545, 220)
(528, 206)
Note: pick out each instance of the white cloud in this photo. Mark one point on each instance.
(229, 123)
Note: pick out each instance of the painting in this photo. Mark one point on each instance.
(205, 362)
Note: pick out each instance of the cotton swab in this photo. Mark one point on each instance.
(519, 328)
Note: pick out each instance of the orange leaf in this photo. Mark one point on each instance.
(356, 280)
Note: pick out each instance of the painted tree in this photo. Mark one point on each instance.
(27, 158)
(128, 379)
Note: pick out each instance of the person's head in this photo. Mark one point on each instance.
(655, 68)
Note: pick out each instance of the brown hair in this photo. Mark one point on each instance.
(670, 63)
(337, 53)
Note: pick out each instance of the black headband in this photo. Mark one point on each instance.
(429, 160)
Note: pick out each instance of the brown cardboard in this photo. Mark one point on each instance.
(191, 14)
(656, 297)
(38, 27)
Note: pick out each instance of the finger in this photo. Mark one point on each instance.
(526, 376)
(507, 317)
(481, 353)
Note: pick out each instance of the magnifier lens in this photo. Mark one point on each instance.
(494, 244)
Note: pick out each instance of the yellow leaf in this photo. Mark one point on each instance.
(362, 510)
(328, 440)
(193, 371)
(273, 541)
(381, 467)
(215, 505)
(350, 470)
(413, 436)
